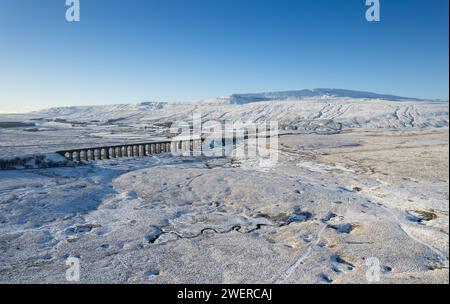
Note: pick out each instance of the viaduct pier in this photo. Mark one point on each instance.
(131, 150)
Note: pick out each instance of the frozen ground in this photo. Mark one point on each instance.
(331, 203)
(375, 191)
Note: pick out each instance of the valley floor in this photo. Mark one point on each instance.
(331, 210)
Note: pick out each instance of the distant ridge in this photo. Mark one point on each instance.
(291, 109)
(234, 99)
(307, 93)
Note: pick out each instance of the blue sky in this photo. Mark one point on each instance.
(173, 50)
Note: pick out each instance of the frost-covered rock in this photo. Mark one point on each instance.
(34, 162)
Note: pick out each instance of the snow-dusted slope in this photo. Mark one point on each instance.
(291, 109)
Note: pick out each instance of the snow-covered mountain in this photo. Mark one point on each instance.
(291, 109)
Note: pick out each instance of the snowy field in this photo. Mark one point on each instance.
(360, 181)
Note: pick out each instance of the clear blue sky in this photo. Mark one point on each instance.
(167, 50)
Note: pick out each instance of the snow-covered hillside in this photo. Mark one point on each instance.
(290, 108)
(328, 112)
